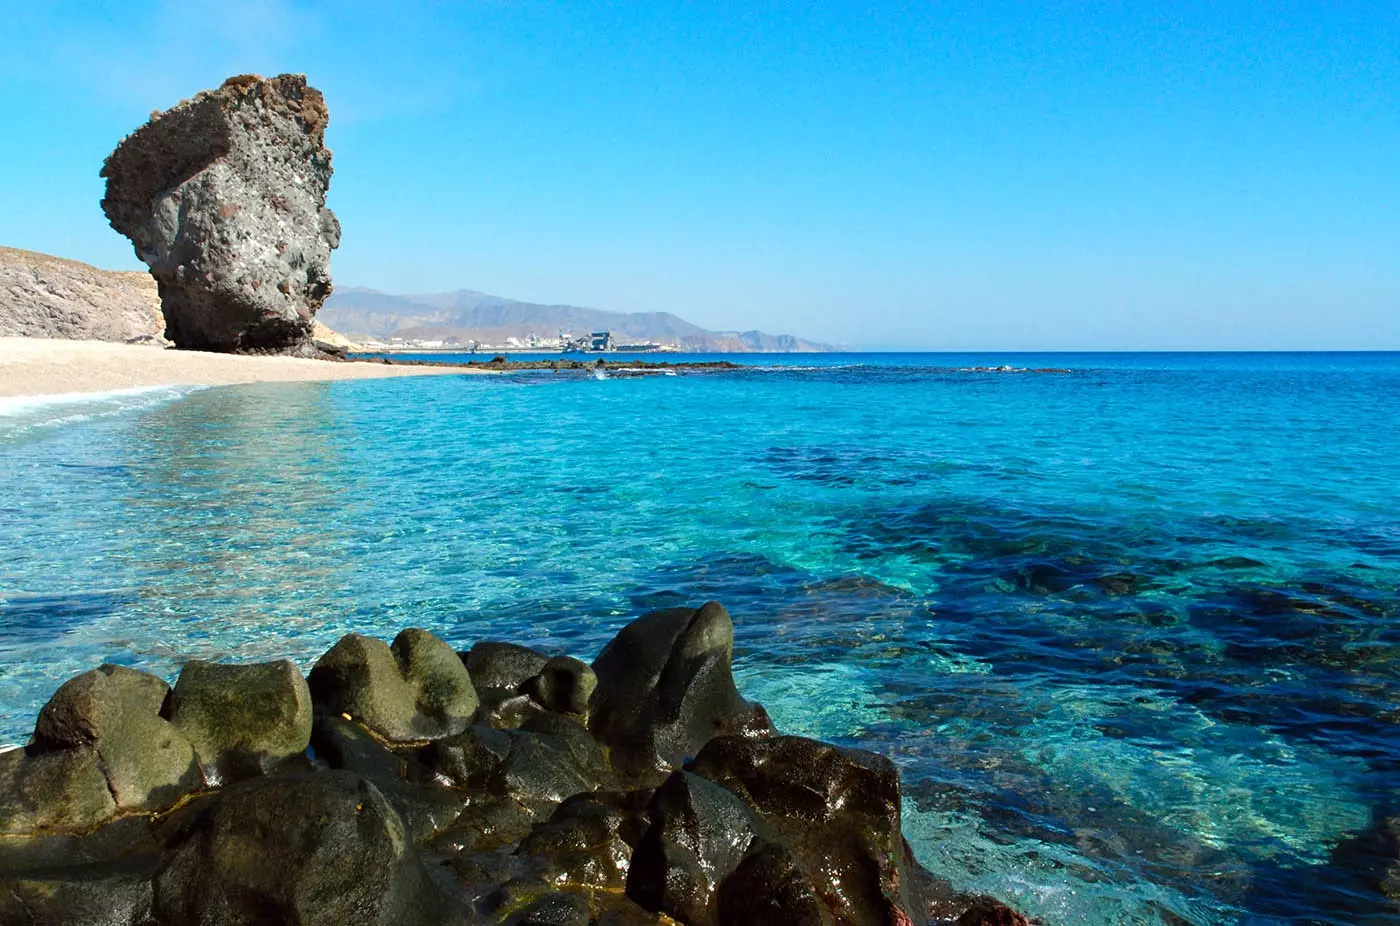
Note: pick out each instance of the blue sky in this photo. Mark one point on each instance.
(925, 175)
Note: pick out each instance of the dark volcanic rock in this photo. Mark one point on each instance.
(495, 664)
(413, 806)
(769, 888)
(115, 712)
(306, 849)
(417, 689)
(502, 670)
(564, 684)
(698, 836)
(224, 198)
(665, 689)
(837, 811)
(242, 720)
(87, 898)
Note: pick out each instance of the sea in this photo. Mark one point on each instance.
(1129, 624)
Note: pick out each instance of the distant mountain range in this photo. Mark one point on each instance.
(465, 314)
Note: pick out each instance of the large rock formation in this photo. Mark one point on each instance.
(49, 297)
(419, 802)
(224, 197)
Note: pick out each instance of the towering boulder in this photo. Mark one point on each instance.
(224, 197)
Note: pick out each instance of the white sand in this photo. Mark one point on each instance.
(35, 366)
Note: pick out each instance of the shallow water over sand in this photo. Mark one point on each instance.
(1131, 631)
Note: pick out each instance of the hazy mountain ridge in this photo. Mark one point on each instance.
(467, 314)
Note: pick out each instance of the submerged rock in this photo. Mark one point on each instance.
(224, 198)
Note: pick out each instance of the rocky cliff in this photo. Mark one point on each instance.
(224, 198)
(49, 297)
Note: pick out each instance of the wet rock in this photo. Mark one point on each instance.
(80, 898)
(502, 670)
(587, 841)
(551, 758)
(348, 746)
(769, 888)
(495, 664)
(665, 689)
(837, 811)
(984, 911)
(53, 792)
(115, 712)
(541, 770)
(472, 759)
(563, 684)
(699, 834)
(417, 689)
(243, 720)
(224, 198)
(506, 711)
(570, 909)
(317, 848)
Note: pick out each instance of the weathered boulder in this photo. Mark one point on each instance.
(698, 836)
(243, 720)
(81, 898)
(412, 808)
(665, 689)
(564, 684)
(418, 689)
(538, 766)
(507, 666)
(115, 712)
(322, 848)
(588, 840)
(837, 811)
(501, 671)
(62, 791)
(224, 198)
(769, 888)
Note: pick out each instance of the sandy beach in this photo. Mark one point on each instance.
(35, 366)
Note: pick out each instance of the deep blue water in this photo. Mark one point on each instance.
(1131, 631)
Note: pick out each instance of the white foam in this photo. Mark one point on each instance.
(21, 404)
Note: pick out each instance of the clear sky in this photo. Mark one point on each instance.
(924, 175)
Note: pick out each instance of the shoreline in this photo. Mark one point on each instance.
(57, 370)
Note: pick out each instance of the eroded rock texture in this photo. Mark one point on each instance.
(224, 197)
(647, 793)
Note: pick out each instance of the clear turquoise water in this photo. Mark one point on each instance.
(1131, 632)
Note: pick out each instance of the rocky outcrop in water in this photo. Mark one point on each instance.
(224, 198)
(409, 784)
(50, 297)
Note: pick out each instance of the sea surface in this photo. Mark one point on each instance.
(1131, 630)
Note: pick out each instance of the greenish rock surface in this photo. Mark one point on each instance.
(322, 848)
(116, 712)
(53, 792)
(242, 720)
(416, 689)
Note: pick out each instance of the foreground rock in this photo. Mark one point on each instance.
(499, 785)
(224, 198)
(49, 297)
